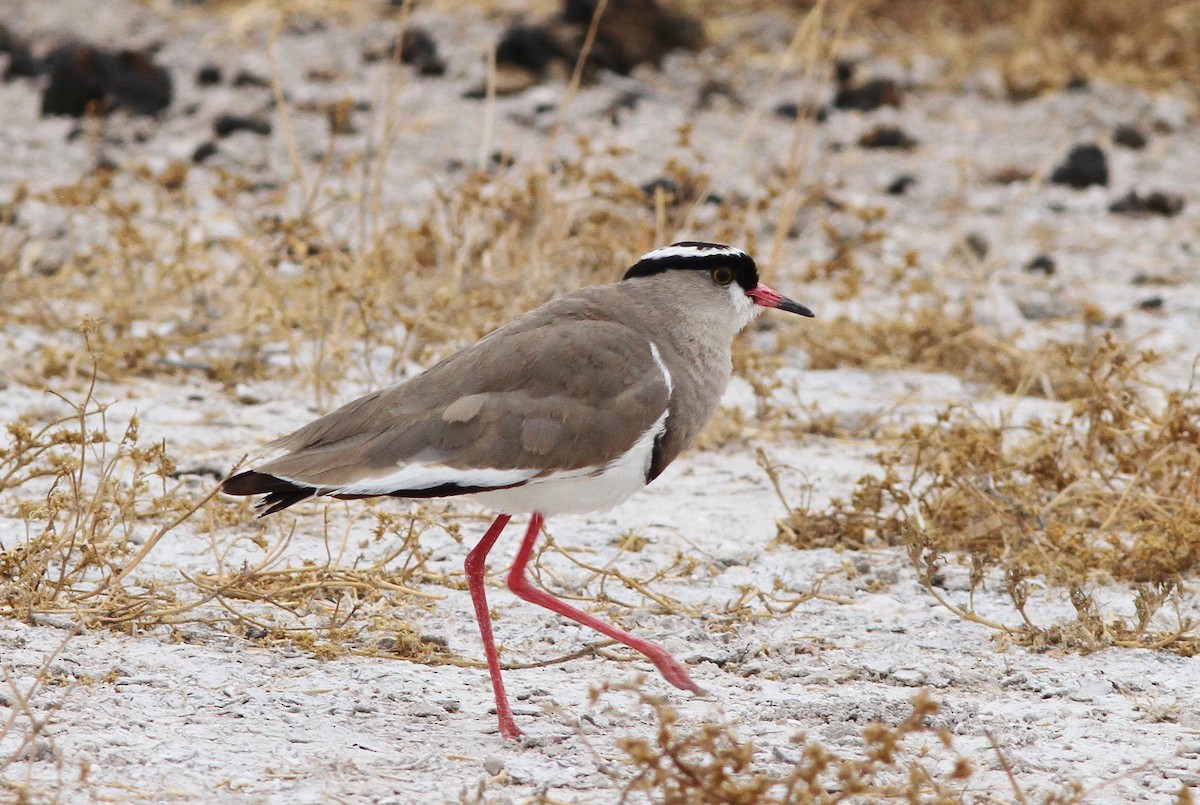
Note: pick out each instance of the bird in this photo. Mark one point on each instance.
(570, 408)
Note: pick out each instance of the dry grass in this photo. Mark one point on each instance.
(283, 297)
(1107, 493)
(287, 292)
(284, 292)
(1036, 46)
(89, 499)
(1042, 45)
(909, 761)
(933, 334)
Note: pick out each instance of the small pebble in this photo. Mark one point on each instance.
(977, 244)
(208, 75)
(225, 125)
(493, 765)
(1154, 203)
(869, 95)
(204, 151)
(900, 184)
(1086, 165)
(1129, 137)
(418, 48)
(1042, 264)
(887, 137)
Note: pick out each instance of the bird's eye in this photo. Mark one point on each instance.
(722, 275)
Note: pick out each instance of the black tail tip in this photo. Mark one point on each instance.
(247, 483)
(279, 493)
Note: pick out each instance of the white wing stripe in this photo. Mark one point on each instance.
(416, 477)
(662, 368)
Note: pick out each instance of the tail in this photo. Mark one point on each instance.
(278, 492)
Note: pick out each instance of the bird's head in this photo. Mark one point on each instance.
(719, 267)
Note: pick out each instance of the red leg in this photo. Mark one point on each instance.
(475, 566)
(667, 665)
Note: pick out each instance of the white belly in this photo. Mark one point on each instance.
(588, 490)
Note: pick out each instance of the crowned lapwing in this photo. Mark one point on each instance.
(571, 408)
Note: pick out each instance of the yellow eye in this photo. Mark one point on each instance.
(722, 275)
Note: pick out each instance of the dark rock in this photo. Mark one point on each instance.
(528, 46)
(887, 137)
(1042, 264)
(1129, 137)
(865, 96)
(1154, 203)
(21, 61)
(787, 110)
(668, 187)
(140, 86)
(676, 192)
(631, 32)
(415, 47)
(977, 245)
(791, 111)
(868, 96)
(628, 33)
(245, 78)
(900, 184)
(1152, 303)
(225, 125)
(85, 78)
(204, 151)
(209, 75)
(1086, 165)
(418, 49)
(1077, 83)
(628, 99)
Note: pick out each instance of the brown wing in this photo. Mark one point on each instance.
(558, 390)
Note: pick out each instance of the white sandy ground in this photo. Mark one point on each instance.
(206, 715)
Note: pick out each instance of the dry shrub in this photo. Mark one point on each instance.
(1035, 45)
(931, 333)
(1107, 492)
(87, 499)
(329, 608)
(1041, 45)
(95, 505)
(711, 765)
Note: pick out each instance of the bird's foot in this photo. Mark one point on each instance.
(508, 728)
(674, 672)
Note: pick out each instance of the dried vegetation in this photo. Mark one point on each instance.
(1043, 45)
(909, 761)
(1105, 493)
